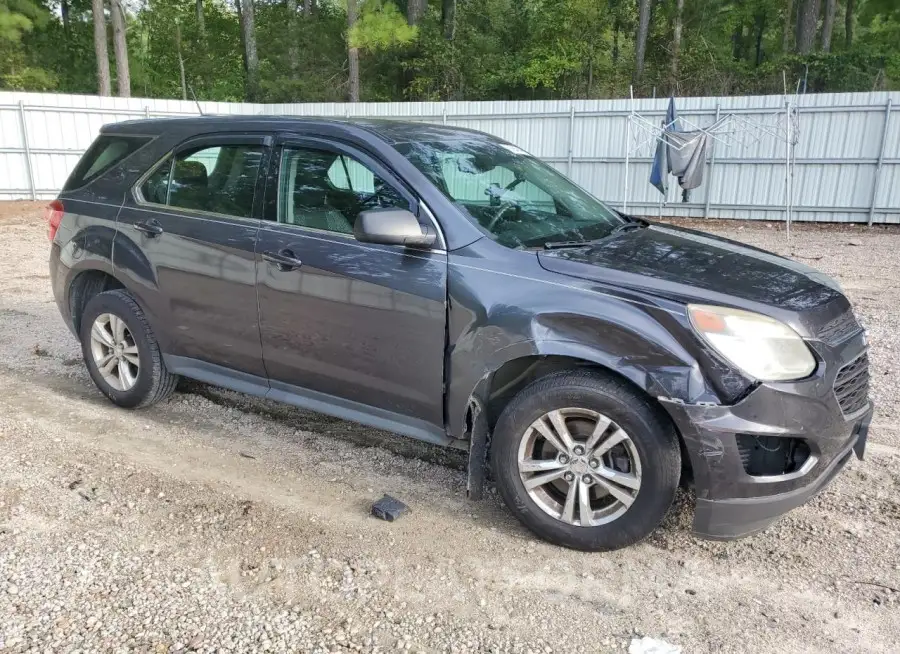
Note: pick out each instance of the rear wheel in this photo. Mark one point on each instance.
(121, 352)
(585, 461)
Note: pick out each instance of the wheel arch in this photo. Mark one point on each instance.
(670, 375)
(85, 285)
(528, 362)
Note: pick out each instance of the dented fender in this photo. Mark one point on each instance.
(489, 327)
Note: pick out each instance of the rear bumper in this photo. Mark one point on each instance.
(60, 275)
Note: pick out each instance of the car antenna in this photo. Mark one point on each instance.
(194, 95)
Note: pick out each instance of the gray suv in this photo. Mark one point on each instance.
(443, 284)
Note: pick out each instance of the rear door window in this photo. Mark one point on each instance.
(216, 179)
(104, 153)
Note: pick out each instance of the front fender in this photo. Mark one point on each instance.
(640, 349)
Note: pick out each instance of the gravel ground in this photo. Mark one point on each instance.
(219, 522)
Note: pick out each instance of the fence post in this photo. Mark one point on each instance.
(712, 165)
(627, 160)
(875, 182)
(146, 111)
(28, 169)
(571, 139)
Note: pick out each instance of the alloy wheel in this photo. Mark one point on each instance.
(115, 352)
(579, 466)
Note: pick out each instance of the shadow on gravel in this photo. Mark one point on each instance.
(673, 534)
(316, 423)
(327, 426)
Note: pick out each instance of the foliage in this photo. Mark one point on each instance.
(18, 17)
(381, 26)
(499, 50)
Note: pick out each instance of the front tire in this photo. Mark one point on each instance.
(121, 351)
(585, 461)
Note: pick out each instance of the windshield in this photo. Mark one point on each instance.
(515, 198)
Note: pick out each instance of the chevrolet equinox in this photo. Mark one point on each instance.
(443, 284)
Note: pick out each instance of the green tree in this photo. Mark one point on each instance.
(456, 49)
(17, 19)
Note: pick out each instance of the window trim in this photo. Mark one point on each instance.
(148, 139)
(220, 139)
(343, 159)
(341, 148)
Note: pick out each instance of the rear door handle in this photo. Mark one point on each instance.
(284, 260)
(149, 227)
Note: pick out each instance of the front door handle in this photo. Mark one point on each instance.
(284, 260)
(150, 227)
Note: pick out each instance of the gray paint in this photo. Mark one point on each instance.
(409, 339)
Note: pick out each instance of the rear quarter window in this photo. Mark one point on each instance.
(104, 153)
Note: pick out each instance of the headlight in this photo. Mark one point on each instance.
(762, 347)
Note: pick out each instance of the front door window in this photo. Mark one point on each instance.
(325, 190)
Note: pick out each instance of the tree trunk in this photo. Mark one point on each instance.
(737, 42)
(240, 15)
(67, 37)
(120, 47)
(103, 84)
(249, 31)
(828, 24)
(293, 51)
(640, 40)
(848, 22)
(180, 59)
(760, 29)
(807, 25)
(307, 7)
(352, 55)
(786, 29)
(615, 49)
(590, 79)
(64, 14)
(448, 18)
(676, 43)
(201, 20)
(415, 9)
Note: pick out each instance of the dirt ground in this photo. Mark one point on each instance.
(219, 522)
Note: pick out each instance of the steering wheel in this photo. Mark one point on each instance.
(374, 200)
(501, 214)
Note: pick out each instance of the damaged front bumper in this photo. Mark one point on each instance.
(732, 501)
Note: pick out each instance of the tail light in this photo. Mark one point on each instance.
(54, 217)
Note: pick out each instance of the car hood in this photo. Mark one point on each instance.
(686, 265)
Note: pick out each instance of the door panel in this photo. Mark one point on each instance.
(197, 272)
(364, 323)
(356, 321)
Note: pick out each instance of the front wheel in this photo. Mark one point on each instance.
(585, 461)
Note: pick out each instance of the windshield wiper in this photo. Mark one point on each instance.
(626, 227)
(559, 245)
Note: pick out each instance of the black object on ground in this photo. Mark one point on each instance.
(389, 508)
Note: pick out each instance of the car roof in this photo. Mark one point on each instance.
(392, 131)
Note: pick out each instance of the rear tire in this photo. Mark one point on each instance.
(121, 351)
(619, 452)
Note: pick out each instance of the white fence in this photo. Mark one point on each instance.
(847, 159)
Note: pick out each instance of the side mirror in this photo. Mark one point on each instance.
(392, 227)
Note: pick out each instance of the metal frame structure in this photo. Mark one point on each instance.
(26, 142)
(726, 130)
